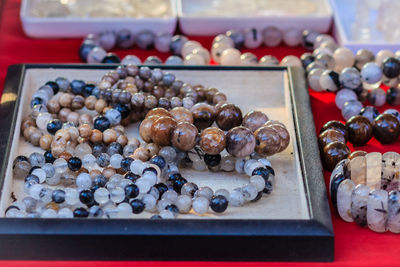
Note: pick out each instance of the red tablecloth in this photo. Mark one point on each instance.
(354, 246)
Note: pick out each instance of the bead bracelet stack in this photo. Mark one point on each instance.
(365, 189)
(103, 174)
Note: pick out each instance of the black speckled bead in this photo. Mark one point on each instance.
(53, 86)
(111, 58)
(86, 197)
(218, 203)
(137, 206)
(178, 183)
(74, 163)
(159, 161)
(172, 208)
(81, 213)
(58, 196)
(126, 164)
(212, 160)
(334, 187)
(131, 176)
(77, 87)
(391, 67)
(100, 180)
(101, 123)
(48, 156)
(162, 188)
(53, 126)
(131, 191)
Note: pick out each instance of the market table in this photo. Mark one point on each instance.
(354, 246)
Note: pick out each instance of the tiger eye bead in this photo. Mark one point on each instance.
(96, 136)
(386, 128)
(335, 125)
(357, 153)
(229, 116)
(212, 140)
(145, 128)
(268, 141)
(162, 112)
(240, 142)
(161, 131)
(210, 92)
(330, 136)
(333, 153)
(90, 102)
(359, 130)
(45, 141)
(184, 136)
(254, 120)
(181, 114)
(203, 115)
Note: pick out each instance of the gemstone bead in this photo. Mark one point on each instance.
(218, 203)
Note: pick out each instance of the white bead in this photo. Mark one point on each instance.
(291, 61)
(254, 166)
(71, 196)
(194, 59)
(170, 195)
(199, 165)
(101, 195)
(188, 47)
(258, 182)
(248, 59)
(49, 213)
(326, 81)
(151, 177)
(168, 153)
(40, 173)
(222, 192)
(114, 116)
(82, 150)
(200, 205)
(292, 37)
(42, 120)
(268, 60)
(149, 202)
(247, 166)
(35, 190)
(89, 162)
(83, 181)
(117, 195)
(218, 48)
(222, 38)
(343, 96)
(205, 192)
(184, 203)
(124, 210)
(204, 53)
(143, 185)
(124, 182)
(371, 73)
(382, 55)
(115, 161)
(137, 167)
(343, 58)
(65, 213)
(230, 57)
(252, 38)
(54, 180)
(166, 214)
(96, 55)
(313, 79)
(265, 162)
(236, 199)
(131, 59)
(162, 204)
(228, 163)
(239, 165)
(249, 192)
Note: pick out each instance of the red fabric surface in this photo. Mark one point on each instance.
(354, 246)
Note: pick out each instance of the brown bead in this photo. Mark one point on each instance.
(282, 131)
(65, 100)
(85, 130)
(126, 121)
(119, 128)
(240, 142)
(96, 136)
(145, 128)
(122, 140)
(104, 84)
(63, 115)
(73, 117)
(153, 149)
(169, 93)
(386, 128)
(164, 103)
(100, 105)
(85, 119)
(229, 116)
(132, 70)
(78, 102)
(359, 130)
(357, 153)
(137, 99)
(268, 141)
(254, 120)
(134, 141)
(158, 91)
(219, 97)
(329, 136)
(150, 102)
(27, 122)
(162, 112)
(335, 125)
(53, 106)
(212, 140)
(184, 136)
(181, 114)
(161, 131)
(108, 172)
(45, 141)
(141, 154)
(34, 138)
(210, 92)
(109, 136)
(57, 149)
(90, 102)
(333, 153)
(65, 155)
(203, 115)
(93, 173)
(28, 131)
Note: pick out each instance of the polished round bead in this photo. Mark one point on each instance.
(371, 73)
(344, 58)
(333, 153)
(218, 203)
(351, 108)
(362, 57)
(184, 136)
(236, 198)
(394, 112)
(230, 57)
(71, 196)
(228, 163)
(137, 206)
(291, 61)
(125, 39)
(344, 96)
(229, 116)
(272, 36)
(268, 141)
(177, 43)
(254, 120)
(203, 115)
(386, 128)
(161, 131)
(252, 38)
(200, 205)
(101, 195)
(84, 181)
(96, 55)
(359, 130)
(102, 123)
(115, 161)
(74, 163)
(393, 96)
(40, 173)
(350, 78)
(240, 142)
(313, 79)
(391, 67)
(329, 81)
(377, 97)
(117, 195)
(370, 112)
(268, 60)
(86, 197)
(329, 136)
(174, 60)
(292, 37)
(131, 59)
(212, 140)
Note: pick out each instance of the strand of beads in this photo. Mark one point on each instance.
(365, 189)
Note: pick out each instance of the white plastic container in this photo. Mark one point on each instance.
(193, 23)
(79, 27)
(344, 15)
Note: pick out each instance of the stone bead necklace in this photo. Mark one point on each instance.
(365, 189)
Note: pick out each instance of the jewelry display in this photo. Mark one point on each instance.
(365, 189)
(91, 169)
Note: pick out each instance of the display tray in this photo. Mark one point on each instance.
(211, 17)
(78, 27)
(293, 223)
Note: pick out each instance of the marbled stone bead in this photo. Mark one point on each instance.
(181, 114)
(282, 131)
(377, 210)
(230, 57)
(391, 67)
(358, 167)
(184, 136)
(162, 42)
(212, 140)
(393, 96)
(131, 59)
(240, 142)
(272, 36)
(268, 141)
(248, 59)
(313, 79)
(252, 38)
(344, 96)
(335, 125)
(254, 120)
(351, 108)
(386, 128)
(359, 202)
(334, 153)
(393, 221)
(21, 169)
(329, 81)
(390, 171)
(362, 57)
(200, 205)
(269, 60)
(329, 136)
(371, 73)
(145, 128)
(350, 78)
(344, 193)
(203, 115)
(373, 170)
(229, 116)
(145, 40)
(177, 43)
(377, 97)
(370, 112)
(228, 163)
(359, 130)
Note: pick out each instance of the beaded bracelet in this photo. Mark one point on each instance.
(365, 189)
